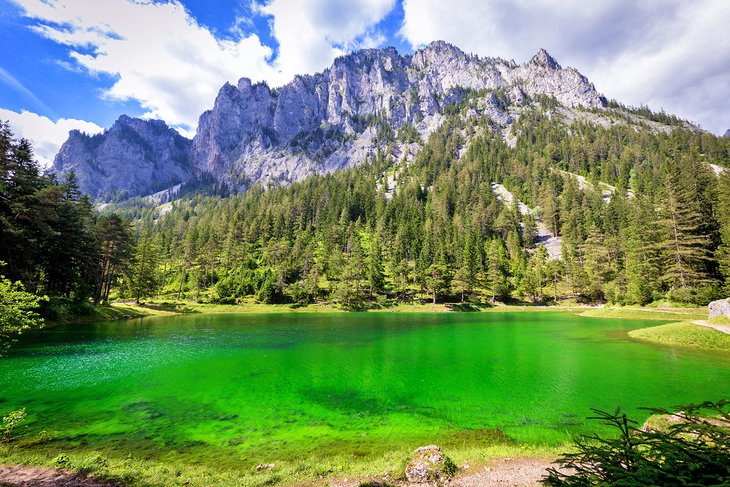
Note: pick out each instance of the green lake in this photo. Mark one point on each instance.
(257, 388)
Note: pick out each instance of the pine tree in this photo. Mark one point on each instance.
(642, 263)
(144, 274)
(496, 270)
(684, 245)
(723, 217)
(116, 250)
(435, 280)
(375, 277)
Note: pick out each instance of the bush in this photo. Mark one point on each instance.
(690, 450)
(699, 296)
(10, 422)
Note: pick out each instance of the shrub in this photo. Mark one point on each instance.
(692, 449)
(10, 422)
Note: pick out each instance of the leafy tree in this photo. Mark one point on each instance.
(17, 311)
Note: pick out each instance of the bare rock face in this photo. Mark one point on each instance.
(429, 464)
(321, 123)
(721, 307)
(133, 158)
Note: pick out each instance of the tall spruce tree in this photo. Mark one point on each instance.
(684, 245)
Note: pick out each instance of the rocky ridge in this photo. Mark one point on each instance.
(132, 158)
(331, 120)
(317, 123)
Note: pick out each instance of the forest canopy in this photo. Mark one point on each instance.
(425, 228)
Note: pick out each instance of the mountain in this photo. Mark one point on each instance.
(318, 123)
(133, 158)
(727, 133)
(329, 120)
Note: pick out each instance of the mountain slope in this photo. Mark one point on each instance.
(133, 158)
(318, 123)
(330, 120)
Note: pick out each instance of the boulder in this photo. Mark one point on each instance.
(429, 464)
(721, 307)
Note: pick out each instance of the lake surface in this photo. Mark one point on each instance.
(258, 388)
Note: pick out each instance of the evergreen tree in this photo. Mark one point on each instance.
(723, 218)
(144, 274)
(685, 246)
(435, 280)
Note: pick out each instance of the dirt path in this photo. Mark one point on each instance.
(504, 472)
(722, 328)
(46, 477)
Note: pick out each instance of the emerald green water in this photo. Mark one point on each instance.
(262, 387)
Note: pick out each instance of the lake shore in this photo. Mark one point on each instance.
(478, 466)
(485, 462)
(683, 326)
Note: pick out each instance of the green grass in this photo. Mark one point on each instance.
(162, 307)
(686, 335)
(720, 320)
(136, 472)
(631, 313)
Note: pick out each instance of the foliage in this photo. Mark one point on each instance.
(16, 311)
(10, 422)
(440, 234)
(693, 449)
(408, 134)
(51, 238)
(443, 233)
(449, 468)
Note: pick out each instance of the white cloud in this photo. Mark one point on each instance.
(669, 54)
(163, 58)
(45, 135)
(159, 55)
(311, 33)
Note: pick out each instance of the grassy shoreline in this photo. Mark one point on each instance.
(681, 332)
(307, 471)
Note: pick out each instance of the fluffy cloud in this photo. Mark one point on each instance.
(163, 58)
(157, 53)
(45, 135)
(311, 33)
(669, 54)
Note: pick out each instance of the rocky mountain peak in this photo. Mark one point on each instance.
(317, 123)
(133, 157)
(727, 133)
(543, 58)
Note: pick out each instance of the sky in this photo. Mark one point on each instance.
(80, 64)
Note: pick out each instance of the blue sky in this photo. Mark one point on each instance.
(68, 64)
